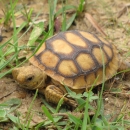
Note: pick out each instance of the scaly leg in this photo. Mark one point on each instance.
(53, 94)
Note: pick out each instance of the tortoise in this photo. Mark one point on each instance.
(73, 58)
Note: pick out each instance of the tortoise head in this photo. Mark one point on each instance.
(29, 77)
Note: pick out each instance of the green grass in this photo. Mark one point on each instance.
(27, 14)
(54, 116)
(8, 12)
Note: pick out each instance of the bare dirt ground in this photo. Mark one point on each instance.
(113, 16)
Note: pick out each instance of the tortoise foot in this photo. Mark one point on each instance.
(53, 94)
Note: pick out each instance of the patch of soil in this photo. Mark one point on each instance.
(10, 89)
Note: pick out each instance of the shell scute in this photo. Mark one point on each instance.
(47, 58)
(85, 62)
(67, 68)
(60, 46)
(75, 40)
(89, 37)
(100, 55)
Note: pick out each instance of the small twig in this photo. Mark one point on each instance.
(65, 115)
(8, 94)
(123, 10)
(94, 23)
(121, 94)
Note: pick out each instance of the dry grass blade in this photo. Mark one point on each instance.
(121, 94)
(123, 10)
(57, 25)
(94, 23)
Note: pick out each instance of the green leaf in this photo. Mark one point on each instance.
(62, 123)
(49, 106)
(47, 113)
(81, 5)
(13, 118)
(70, 21)
(75, 120)
(2, 114)
(36, 32)
(81, 101)
(47, 123)
(3, 117)
(59, 104)
(7, 107)
(73, 94)
(10, 105)
(90, 95)
(56, 119)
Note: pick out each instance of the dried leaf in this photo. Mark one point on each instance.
(57, 25)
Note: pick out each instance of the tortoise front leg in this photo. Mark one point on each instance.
(53, 94)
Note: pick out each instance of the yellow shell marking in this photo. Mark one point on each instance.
(61, 46)
(74, 39)
(108, 51)
(49, 59)
(104, 41)
(98, 53)
(85, 61)
(80, 83)
(67, 67)
(90, 37)
(90, 79)
(68, 82)
(109, 71)
(99, 75)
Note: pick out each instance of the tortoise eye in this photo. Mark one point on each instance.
(30, 78)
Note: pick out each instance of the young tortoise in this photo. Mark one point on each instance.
(72, 58)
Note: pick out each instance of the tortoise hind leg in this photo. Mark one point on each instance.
(53, 94)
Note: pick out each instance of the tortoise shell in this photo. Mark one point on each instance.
(76, 59)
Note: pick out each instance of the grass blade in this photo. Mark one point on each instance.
(47, 113)
(70, 21)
